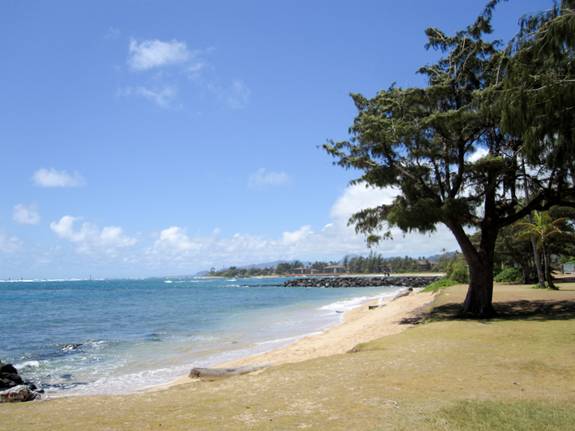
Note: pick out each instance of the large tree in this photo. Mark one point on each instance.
(427, 141)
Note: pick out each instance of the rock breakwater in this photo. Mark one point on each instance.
(351, 282)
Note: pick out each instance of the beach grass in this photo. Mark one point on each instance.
(516, 372)
(442, 283)
(506, 416)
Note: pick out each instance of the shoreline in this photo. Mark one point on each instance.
(358, 325)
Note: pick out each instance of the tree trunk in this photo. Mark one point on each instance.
(526, 272)
(548, 276)
(478, 302)
(479, 299)
(537, 259)
(533, 240)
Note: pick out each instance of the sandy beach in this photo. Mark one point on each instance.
(359, 325)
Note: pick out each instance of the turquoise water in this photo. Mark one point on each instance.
(118, 336)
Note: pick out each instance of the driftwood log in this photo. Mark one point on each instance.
(402, 294)
(218, 373)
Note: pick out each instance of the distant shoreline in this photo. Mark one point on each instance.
(329, 274)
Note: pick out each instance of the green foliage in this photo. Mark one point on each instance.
(517, 103)
(288, 267)
(509, 275)
(458, 271)
(439, 284)
(235, 272)
(545, 229)
(538, 92)
(374, 263)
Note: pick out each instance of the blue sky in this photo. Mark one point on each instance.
(164, 137)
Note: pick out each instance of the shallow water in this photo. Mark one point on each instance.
(118, 336)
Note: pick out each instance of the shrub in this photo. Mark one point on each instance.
(509, 275)
(458, 271)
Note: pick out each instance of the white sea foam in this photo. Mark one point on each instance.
(127, 383)
(345, 305)
(287, 340)
(27, 364)
(350, 304)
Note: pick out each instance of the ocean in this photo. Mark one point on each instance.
(120, 336)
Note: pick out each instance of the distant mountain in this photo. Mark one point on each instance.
(264, 265)
(447, 254)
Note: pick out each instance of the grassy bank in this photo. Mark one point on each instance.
(512, 373)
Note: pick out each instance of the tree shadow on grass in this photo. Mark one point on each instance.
(537, 310)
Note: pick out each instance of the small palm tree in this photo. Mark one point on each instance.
(544, 228)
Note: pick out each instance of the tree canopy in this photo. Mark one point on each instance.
(479, 146)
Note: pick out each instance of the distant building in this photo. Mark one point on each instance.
(423, 265)
(335, 269)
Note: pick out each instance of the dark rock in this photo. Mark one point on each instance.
(351, 282)
(7, 368)
(13, 388)
(9, 380)
(9, 376)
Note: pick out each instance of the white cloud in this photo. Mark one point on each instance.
(26, 214)
(9, 244)
(89, 237)
(297, 235)
(358, 197)
(54, 178)
(334, 240)
(174, 239)
(173, 250)
(149, 54)
(478, 154)
(187, 67)
(164, 96)
(263, 178)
